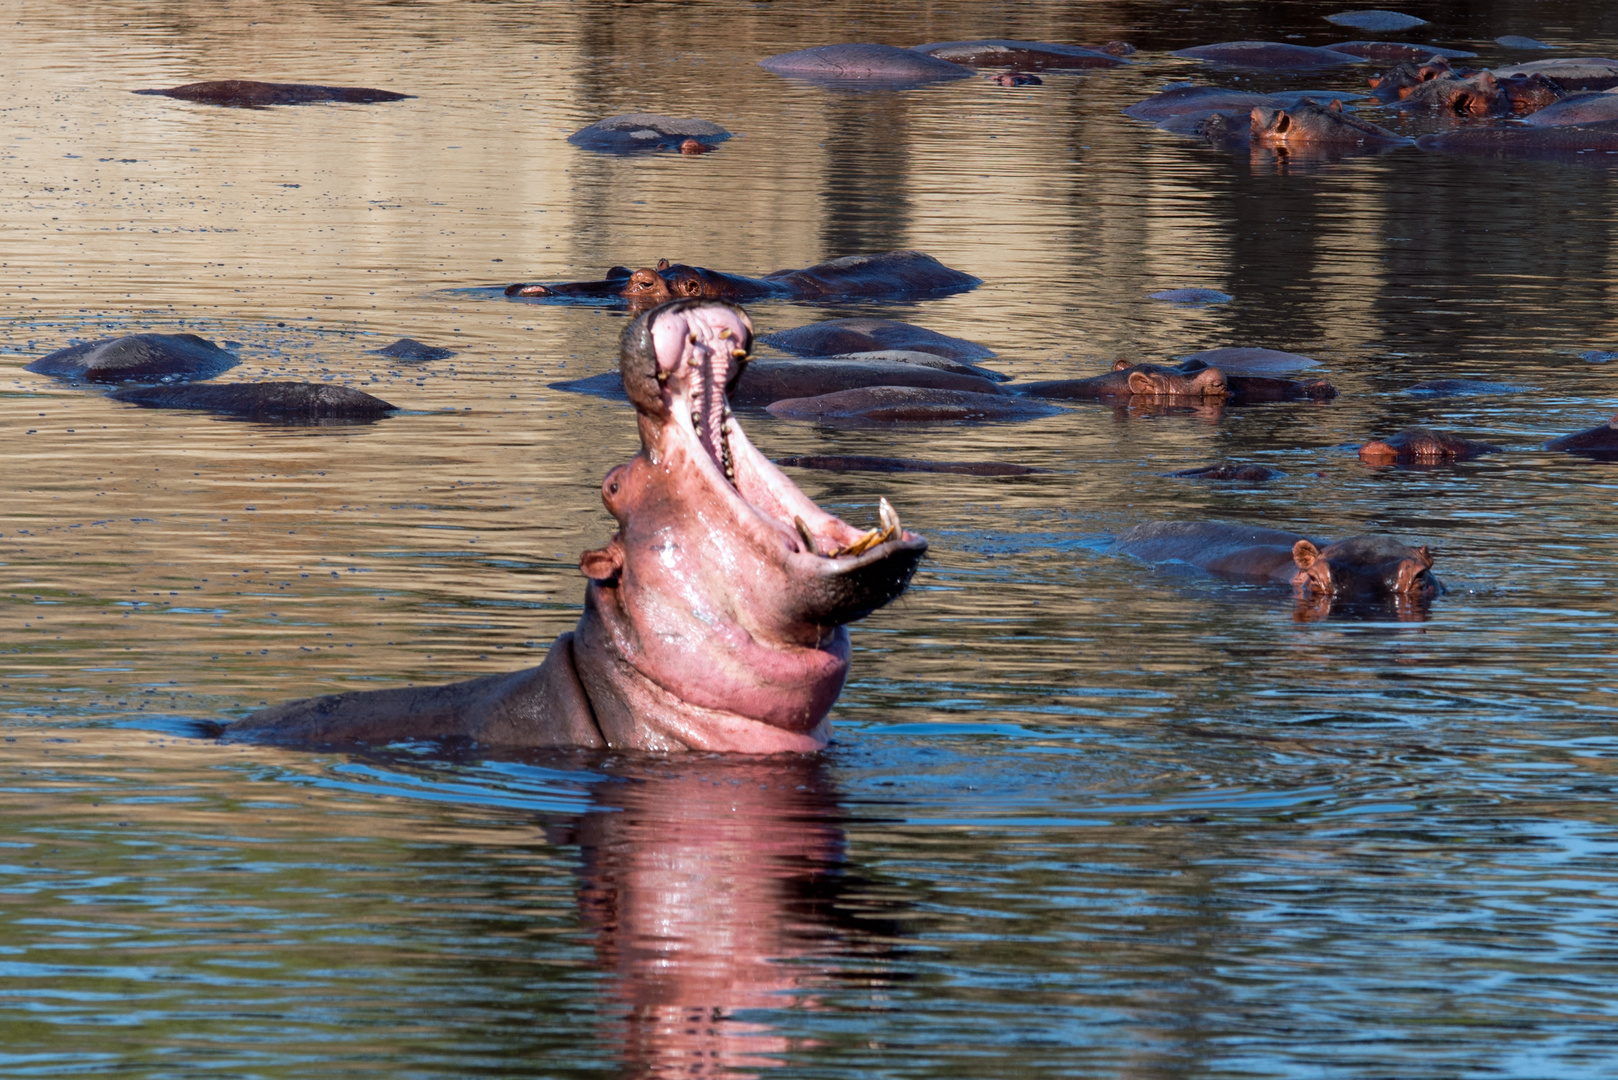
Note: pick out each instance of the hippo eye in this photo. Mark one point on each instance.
(613, 487)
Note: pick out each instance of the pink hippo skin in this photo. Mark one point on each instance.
(713, 620)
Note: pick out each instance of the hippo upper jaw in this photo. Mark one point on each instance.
(715, 618)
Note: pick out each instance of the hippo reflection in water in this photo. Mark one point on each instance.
(713, 620)
(1365, 568)
(888, 275)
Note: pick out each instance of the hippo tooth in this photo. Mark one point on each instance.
(888, 517)
(806, 536)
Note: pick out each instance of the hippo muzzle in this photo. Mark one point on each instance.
(714, 619)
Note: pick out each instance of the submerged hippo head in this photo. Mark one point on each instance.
(1310, 124)
(1365, 568)
(714, 618)
(1163, 381)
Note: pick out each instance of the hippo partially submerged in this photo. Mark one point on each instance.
(713, 620)
(1004, 52)
(1423, 446)
(280, 402)
(1309, 124)
(888, 275)
(834, 337)
(641, 133)
(1600, 441)
(1369, 567)
(1267, 56)
(248, 94)
(138, 357)
(863, 62)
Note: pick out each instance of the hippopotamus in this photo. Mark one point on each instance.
(1600, 441)
(278, 401)
(1590, 107)
(1250, 389)
(1248, 360)
(1396, 83)
(863, 62)
(1397, 50)
(715, 618)
(1267, 56)
(1569, 142)
(882, 406)
(1571, 74)
(857, 463)
(138, 357)
(1517, 41)
(1193, 297)
(411, 350)
(1309, 124)
(1130, 380)
(835, 337)
(1376, 21)
(1181, 100)
(1368, 567)
(1458, 387)
(888, 275)
(1423, 446)
(640, 133)
(766, 381)
(1002, 52)
(1477, 94)
(1015, 78)
(1253, 474)
(246, 94)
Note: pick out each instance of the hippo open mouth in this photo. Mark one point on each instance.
(721, 600)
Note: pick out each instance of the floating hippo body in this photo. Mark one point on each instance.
(884, 406)
(1370, 567)
(836, 337)
(1135, 380)
(1600, 441)
(1196, 99)
(1251, 389)
(713, 620)
(1423, 446)
(413, 351)
(1572, 74)
(1001, 52)
(863, 62)
(856, 463)
(1376, 21)
(138, 357)
(1193, 297)
(890, 275)
(1247, 360)
(1267, 56)
(1570, 142)
(1397, 50)
(1592, 107)
(640, 133)
(287, 402)
(1309, 124)
(246, 94)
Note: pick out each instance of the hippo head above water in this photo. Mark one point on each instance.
(713, 619)
(715, 616)
(1368, 567)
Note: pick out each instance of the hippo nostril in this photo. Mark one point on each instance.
(1283, 123)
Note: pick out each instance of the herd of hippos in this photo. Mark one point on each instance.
(715, 618)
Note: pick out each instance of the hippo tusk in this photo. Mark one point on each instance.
(806, 536)
(888, 529)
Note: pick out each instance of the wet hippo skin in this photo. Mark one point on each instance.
(287, 401)
(1359, 567)
(1309, 124)
(835, 337)
(863, 61)
(888, 275)
(1423, 446)
(247, 94)
(1599, 441)
(1267, 56)
(715, 617)
(138, 357)
(1143, 380)
(1004, 52)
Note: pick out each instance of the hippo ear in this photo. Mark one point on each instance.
(603, 564)
(1375, 81)
(662, 264)
(1305, 554)
(1142, 383)
(1335, 106)
(1425, 554)
(1119, 365)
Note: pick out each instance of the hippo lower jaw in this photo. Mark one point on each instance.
(714, 620)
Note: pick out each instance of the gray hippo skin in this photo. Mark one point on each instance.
(1004, 52)
(138, 357)
(1600, 441)
(276, 401)
(247, 94)
(864, 62)
(641, 133)
(835, 337)
(713, 620)
(1369, 567)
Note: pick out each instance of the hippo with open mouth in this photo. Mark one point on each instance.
(713, 620)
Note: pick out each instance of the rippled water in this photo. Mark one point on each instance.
(1083, 817)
